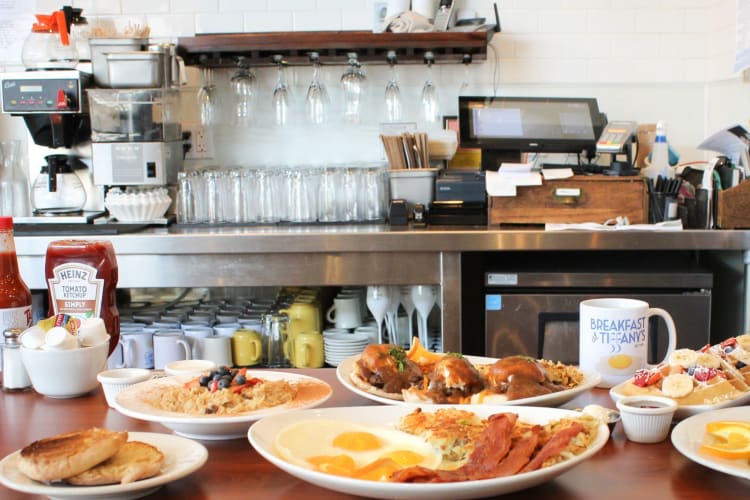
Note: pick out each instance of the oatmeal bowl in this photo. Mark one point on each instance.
(221, 403)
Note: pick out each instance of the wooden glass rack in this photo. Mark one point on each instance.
(258, 49)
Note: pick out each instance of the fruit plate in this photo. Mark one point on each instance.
(132, 402)
(181, 457)
(590, 380)
(262, 435)
(685, 411)
(687, 437)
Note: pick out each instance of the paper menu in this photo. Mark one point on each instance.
(508, 176)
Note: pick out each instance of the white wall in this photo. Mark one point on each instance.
(644, 60)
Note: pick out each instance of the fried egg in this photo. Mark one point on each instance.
(353, 450)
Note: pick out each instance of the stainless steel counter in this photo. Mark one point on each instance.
(347, 255)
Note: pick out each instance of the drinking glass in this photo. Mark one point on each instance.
(281, 98)
(378, 300)
(352, 82)
(393, 106)
(208, 98)
(243, 85)
(14, 185)
(328, 195)
(430, 103)
(316, 104)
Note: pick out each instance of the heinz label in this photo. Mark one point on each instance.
(75, 290)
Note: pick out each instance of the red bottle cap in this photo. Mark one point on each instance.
(6, 223)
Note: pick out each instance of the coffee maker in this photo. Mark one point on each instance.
(53, 106)
(50, 97)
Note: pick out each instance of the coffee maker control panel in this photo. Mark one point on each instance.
(41, 92)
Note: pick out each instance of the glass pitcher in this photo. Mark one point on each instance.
(14, 185)
(57, 189)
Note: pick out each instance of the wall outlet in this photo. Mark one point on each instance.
(201, 144)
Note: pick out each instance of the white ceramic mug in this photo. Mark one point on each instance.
(345, 312)
(226, 329)
(196, 336)
(218, 349)
(170, 345)
(613, 337)
(137, 349)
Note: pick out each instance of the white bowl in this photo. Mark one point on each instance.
(65, 373)
(189, 366)
(113, 381)
(646, 419)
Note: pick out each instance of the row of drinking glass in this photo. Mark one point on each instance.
(244, 94)
(270, 195)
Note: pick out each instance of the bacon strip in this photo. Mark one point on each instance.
(555, 445)
(519, 454)
(493, 444)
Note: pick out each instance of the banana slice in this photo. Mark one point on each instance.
(677, 385)
(744, 341)
(708, 360)
(683, 357)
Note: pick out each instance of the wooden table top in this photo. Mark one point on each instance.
(622, 469)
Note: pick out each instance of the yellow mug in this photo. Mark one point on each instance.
(247, 347)
(303, 316)
(307, 350)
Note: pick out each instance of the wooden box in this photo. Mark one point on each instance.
(733, 210)
(582, 198)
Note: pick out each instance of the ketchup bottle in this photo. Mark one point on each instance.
(15, 296)
(82, 282)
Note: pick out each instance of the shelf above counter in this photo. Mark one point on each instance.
(258, 49)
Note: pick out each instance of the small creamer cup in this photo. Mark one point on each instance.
(59, 339)
(92, 331)
(646, 419)
(114, 381)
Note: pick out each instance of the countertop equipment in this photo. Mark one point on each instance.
(136, 136)
(52, 103)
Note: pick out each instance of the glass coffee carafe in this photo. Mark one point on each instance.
(57, 189)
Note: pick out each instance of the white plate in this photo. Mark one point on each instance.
(685, 411)
(262, 434)
(130, 402)
(181, 457)
(687, 437)
(590, 380)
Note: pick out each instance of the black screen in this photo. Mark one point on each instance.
(509, 126)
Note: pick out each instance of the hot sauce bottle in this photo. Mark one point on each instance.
(15, 296)
(82, 282)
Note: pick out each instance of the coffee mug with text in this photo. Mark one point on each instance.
(613, 337)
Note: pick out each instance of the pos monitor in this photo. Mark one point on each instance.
(505, 127)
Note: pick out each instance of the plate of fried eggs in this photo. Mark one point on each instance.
(355, 450)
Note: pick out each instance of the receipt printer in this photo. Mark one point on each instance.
(461, 185)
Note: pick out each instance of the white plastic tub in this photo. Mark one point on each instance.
(415, 185)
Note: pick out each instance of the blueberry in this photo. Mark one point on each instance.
(691, 370)
(740, 365)
(224, 370)
(240, 380)
(729, 349)
(217, 376)
(204, 380)
(224, 383)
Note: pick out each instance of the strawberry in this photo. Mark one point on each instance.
(640, 378)
(702, 374)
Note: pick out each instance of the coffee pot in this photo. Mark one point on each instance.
(57, 189)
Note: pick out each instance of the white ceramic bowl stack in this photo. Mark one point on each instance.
(141, 205)
(339, 346)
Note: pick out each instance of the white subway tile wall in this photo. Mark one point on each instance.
(642, 59)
